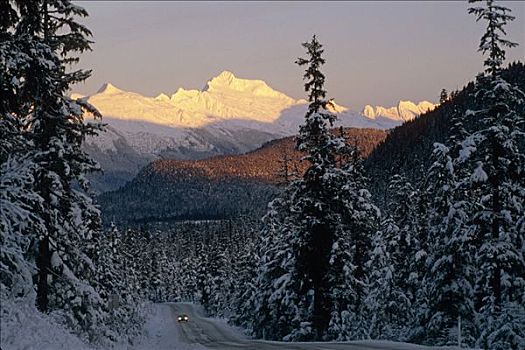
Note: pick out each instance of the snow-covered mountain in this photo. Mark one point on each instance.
(404, 111)
(229, 115)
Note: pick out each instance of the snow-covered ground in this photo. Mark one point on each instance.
(208, 333)
(161, 332)
(24, 328)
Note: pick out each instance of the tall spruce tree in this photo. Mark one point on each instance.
(447, 288)
(497, 183)
(47, 37)
(312, 278)
(18, 202)
(477, 182)
(443, 96)
(50, 229)
(314, 194)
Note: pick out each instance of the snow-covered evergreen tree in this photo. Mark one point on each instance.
(407, 210)
(244, 273)
(443, 96)
(50, 225)
(18, 225)
(313, 278)
(203, 278)
(314, 195)
(124, 315)
(387, 302)
(18, 202)
(477, 270)
(46, 36)
(186, 289)
(447, 288)
(397, 262)
(357, 221)
(277, 301)
(497, 184)
(218, 281)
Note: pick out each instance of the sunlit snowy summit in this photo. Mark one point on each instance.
(228, 115)
(226, 97)
(404, 111)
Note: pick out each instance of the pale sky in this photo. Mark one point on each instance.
(377, 52)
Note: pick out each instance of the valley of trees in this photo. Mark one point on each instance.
(217, 188)
(344, 251)
(263, 164)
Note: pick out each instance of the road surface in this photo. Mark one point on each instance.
(202, 332)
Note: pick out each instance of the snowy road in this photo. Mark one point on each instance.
(208, 333)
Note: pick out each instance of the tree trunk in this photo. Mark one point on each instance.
(319, 263)
(43, 263)
(496, 210)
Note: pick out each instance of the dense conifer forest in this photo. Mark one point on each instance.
(216, 188)
(414, 236)
(406, 148)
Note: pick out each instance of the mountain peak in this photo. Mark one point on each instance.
(406, 104)
(162, 97)
(335, 108)
(405, 110)
(227, 81)
(226, 75)
(108, 88)
(224, 79)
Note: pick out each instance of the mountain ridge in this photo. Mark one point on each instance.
(405, 110)
(216, 101)
(229, 115)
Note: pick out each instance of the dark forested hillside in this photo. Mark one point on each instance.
(219, 187)
(406, 149)
(223, 186)
(263, 164)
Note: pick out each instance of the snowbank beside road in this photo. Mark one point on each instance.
(24, 327)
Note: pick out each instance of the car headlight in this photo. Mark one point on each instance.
(185, 318)
(180, 318)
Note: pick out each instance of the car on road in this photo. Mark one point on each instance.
(183, 318)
